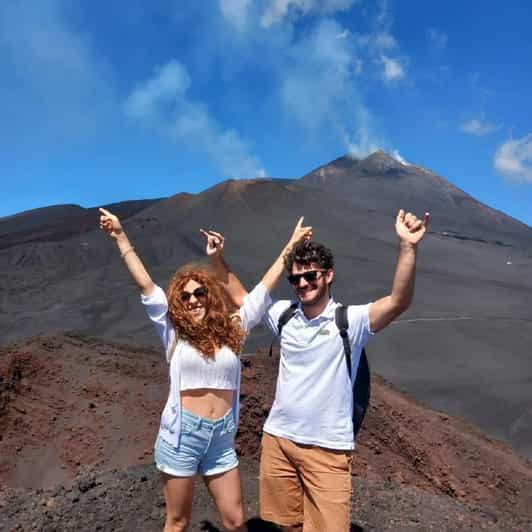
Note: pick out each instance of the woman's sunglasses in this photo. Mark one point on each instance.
(199, 293)
(310, 276)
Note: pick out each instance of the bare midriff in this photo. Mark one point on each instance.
(207, 402)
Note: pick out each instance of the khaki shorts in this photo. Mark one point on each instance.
(305, 484)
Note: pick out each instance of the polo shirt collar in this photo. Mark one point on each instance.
(327, 313)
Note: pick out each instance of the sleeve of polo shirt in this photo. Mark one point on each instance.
(254, 307)
(156, 306)
(359, 329)
(271, 318)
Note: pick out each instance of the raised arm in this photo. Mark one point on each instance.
(214, 249)
(237, 292)
(112, 226)
(410, 231)
(274, 274)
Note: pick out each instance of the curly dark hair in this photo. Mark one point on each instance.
(306, 252)
(217, 328)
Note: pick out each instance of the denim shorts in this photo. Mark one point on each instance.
(205, 446)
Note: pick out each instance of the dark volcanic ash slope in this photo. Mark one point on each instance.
(59, 222)
(90, 407)
(380, 183)
(463, 347)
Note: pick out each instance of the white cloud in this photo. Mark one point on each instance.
(235, 11)
(437, 38)
(364, 142)
(381, 48)
(384, 17)
(513, 159)
(362, 147)
(345, 34)
(314, 72)
(277, 10)
(168, 86)
(478, 127)
(398, 157)
(393, 69)
(316, 79)
(384, 40)
(162, 102)
(320, 89)
(50, 71)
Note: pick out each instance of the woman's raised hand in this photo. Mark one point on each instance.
(110, 223)
(215, 242)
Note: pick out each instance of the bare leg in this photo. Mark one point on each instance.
(227, 494)
(178, 496)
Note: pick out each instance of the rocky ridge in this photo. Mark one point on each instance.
(91, 409)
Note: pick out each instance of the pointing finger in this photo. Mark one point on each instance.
(215, 234)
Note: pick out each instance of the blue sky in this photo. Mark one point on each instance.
(108, 101)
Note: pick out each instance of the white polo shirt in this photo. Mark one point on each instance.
(313, 398)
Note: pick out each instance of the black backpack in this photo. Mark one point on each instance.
(361, 383)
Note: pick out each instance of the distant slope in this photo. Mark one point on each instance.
(59, 221)
(382, 184)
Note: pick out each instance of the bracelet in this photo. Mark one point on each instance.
(124, 253)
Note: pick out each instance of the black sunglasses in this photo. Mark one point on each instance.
(199, 293)
(311, 276)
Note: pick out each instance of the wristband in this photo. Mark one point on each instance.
(124, 253)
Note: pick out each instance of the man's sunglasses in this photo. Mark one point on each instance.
(199, 293)
(311, 276)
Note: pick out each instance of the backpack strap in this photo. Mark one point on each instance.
(284, 318)
(340, 317)
(362, 382)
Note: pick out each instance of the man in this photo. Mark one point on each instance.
(305, 469)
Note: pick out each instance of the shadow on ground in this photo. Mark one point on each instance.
(256, 524)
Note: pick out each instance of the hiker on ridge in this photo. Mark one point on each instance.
(307, 445)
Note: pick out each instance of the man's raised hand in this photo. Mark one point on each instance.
(410, 228)
(215, 242)
(110, 223)
(300, 232)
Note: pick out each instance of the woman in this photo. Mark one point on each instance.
(201, 340)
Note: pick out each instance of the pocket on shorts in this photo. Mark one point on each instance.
(230, 426)
(187, 427)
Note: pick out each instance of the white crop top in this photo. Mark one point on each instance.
(178, 351)
(198, 371)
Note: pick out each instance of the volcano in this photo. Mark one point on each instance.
(463, 347)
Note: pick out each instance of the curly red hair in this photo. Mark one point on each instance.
(216, 328)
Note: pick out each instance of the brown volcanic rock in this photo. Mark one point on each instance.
(67, 403)
(81, 413)
(132, 500)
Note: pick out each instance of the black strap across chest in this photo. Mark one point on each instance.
(361, 384)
